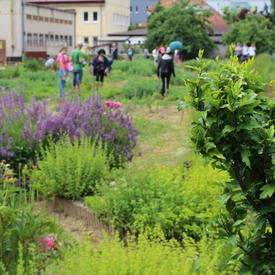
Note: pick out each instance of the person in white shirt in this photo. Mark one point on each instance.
(252, 51)
(155, 54)
(244, 52)
(49, 63)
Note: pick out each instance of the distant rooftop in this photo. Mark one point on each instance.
(51, 2)
(215, 19)
(138, 32)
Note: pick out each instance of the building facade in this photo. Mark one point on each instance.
(248, 4)
(94, 18)
(138, 10)
(34, 30)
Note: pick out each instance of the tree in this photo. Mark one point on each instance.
(231, 14)
(182, 22)
(234, 131)
(271, 12)
(254, 29)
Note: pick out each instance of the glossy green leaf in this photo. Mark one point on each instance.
(259, 223)
(268, 191)
(245, 157)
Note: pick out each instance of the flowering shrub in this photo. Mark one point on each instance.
(47, 242)
(24, 127)
(21, 231)
(112, 104)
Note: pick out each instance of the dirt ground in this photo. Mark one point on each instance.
(77, 228)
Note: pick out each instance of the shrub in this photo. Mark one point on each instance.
(195, 63)
(146, 257)
(70, 169)
(143, 88)
(160, 197)
(108, 126)
(33, 64)
(22, 232)
(181, 76)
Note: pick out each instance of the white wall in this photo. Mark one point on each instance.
(11, 26)
(15, 19)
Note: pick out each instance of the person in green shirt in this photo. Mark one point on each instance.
(77, 60)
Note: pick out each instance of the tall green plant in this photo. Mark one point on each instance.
(22, 232)
(234, 131)
(70, 169)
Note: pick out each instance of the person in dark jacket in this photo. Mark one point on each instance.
(99, 67)
(165, 69)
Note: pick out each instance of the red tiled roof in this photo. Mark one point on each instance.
(215, 19)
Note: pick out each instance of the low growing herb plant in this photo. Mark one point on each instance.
(70, 169)
(148, 256)
(167, 198)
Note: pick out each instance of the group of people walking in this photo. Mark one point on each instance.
(244, 52)
(100, 65)
(75, 64)
(160, 51)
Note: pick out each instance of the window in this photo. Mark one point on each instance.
(95, 41)
(41, 42)
(85, 17)
(120, 19)
(66, 40)
(131, 9)
(95, 17)
(29, 39)
(51, 40)
(86, 40)
(46, 39)
(35, 40)
(114, 18)
(56, 41)
(136, 9)
(70, 41)
(61, 40)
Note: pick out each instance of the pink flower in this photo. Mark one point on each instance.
(107, 103)
(117, 104)
(112, 104)
(47, 242)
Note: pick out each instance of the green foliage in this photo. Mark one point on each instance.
(184, 21)
(21, 232)
(34, 64)
(143, 88)
(109, 92)
(211, 64)
(10, 72)
(160, 197)
(231, 14)
(70, 169)
(86, 57)
(264, 66)
(147, 257)
(254, 29)
(139, 67)
(234, 130)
